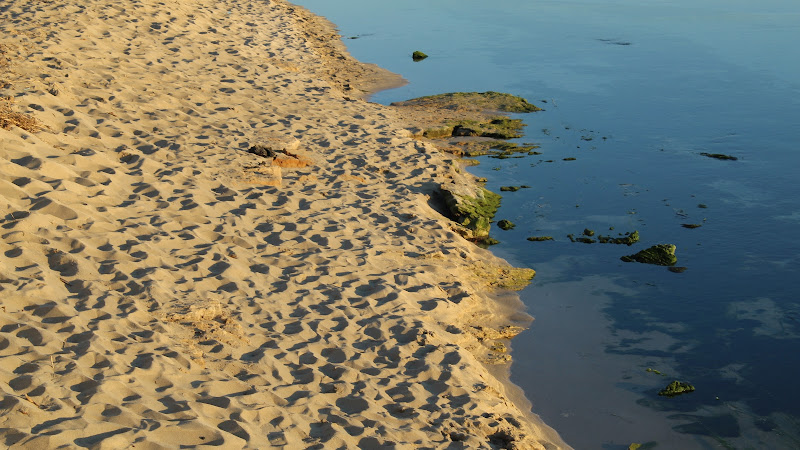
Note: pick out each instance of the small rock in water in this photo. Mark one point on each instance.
(660, 254)
(418, 56)
(505, 224)
(676, 388)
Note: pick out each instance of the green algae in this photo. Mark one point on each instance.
(506, 224)
(418, 56)
(676, 388)
(660, 254)
(540, 238)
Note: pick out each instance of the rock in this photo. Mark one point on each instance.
(505, 224)
(263, 151)
(661, 254)
(676, 388)
(540, 238)
(471, 206)
(418, 56)
(719, 156)
(629, 239)
(482, 101)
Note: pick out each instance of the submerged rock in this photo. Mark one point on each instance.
(540, 238)
(719, 156)
(660, 254)
(676, 388)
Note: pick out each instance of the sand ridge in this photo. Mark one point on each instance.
(161, 286)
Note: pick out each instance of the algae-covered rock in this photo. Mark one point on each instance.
(493, 127)
(505, 224)
(584, 240)
(418, 56)
(676, 388)
(661, 254)
(482, 101)
(627, 239)
(540, 238)
(493, 148)
(588, 232)
(471, 206)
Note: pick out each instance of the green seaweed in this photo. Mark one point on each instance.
(676, 388)
(660, 254)
(506, 224)
(540, 238)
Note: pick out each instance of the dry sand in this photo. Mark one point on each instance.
(162, 287)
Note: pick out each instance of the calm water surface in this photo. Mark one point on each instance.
(635, 91)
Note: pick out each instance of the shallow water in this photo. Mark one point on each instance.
(635, 91)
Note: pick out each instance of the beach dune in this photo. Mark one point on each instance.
(163, 286)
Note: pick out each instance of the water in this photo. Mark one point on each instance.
(635, 91)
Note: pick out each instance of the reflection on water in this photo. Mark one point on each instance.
(634, 92)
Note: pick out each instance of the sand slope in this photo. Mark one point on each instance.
(163, 287)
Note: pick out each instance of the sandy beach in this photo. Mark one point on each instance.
(164, 287)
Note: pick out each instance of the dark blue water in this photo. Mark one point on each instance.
(635, 91)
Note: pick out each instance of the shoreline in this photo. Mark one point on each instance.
(156, 271)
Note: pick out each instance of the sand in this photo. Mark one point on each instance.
(162, 287)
